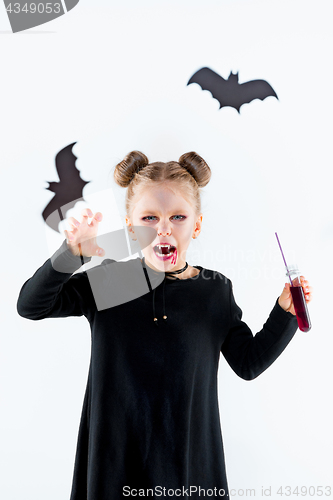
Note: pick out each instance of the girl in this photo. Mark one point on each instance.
(150, 423)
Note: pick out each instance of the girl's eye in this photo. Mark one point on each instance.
(148, 216)
(144, 218)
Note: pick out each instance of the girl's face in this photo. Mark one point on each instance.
(165, 210)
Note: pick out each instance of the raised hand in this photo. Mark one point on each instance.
(81, 240)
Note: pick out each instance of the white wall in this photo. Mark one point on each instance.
(113, 78)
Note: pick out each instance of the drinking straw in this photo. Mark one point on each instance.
(284, 259)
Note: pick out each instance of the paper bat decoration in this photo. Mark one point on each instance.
(230, 92)
(68, 191)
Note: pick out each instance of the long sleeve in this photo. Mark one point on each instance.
(250, 355)
(53, 292)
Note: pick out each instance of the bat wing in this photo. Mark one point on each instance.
(66, 168)
(68, 191)
(255, 89)
(216, 84)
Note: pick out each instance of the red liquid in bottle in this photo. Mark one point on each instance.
(301, 310)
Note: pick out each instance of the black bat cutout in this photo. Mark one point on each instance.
(230, 92)
(68, 191)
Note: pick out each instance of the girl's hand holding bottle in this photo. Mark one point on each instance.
(81, 240)
(286, 301)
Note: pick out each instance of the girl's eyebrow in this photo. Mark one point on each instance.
(156, 210)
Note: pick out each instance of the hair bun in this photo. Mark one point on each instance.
(125, 170)
(197, 167)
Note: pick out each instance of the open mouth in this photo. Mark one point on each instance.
(164, 250)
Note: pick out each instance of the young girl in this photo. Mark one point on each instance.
(150, 424)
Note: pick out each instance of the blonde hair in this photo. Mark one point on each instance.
(188, 175)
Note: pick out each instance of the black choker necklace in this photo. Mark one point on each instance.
(172, 272)
(179, 271)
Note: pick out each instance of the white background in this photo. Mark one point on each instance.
(113, 77)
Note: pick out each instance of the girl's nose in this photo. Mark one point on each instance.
(163, 229)
(163, 233)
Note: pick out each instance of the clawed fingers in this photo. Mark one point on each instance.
(96, 219)
(74, 223)
(81, 236)
(87, 213)
(69, 235)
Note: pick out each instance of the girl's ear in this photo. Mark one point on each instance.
(197, 227)
(130, 230)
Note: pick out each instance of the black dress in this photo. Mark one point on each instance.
(150, 417)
